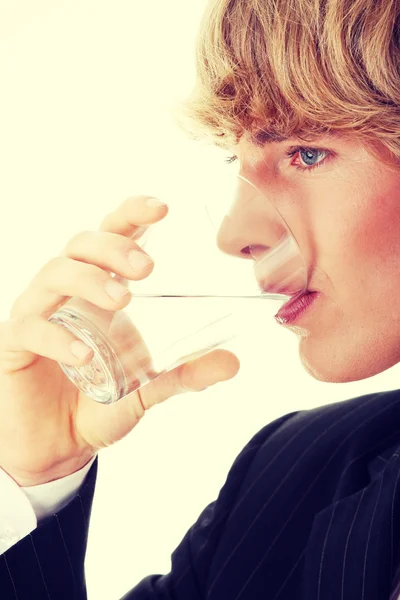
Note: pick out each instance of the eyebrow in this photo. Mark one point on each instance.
(263, 137)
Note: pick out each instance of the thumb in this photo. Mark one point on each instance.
(192, 376)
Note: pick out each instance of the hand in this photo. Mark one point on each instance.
(48, 428)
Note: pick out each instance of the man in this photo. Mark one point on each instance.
(310, 506)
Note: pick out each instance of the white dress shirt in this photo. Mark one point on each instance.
(22, 507)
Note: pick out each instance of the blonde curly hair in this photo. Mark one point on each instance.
(296, 68)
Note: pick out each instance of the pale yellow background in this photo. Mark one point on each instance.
(86, 88)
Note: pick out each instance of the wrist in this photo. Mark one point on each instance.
(57, 471)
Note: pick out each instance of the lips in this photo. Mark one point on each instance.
(290, 311)
(295, 299)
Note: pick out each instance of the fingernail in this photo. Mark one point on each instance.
(154, 203)
(79, 349)
(115, 290)
(138, 260)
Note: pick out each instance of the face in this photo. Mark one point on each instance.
(343, 207)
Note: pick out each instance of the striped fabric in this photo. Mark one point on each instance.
(395, 595)
(49, 563)
(310, 511)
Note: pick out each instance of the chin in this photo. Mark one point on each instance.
(346, 366)
(330, 375)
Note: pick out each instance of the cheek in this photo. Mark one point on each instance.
(358, 240)
(374, 238)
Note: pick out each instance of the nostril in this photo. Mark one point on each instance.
(258, 250)
(255, 250)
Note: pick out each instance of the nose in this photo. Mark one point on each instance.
(254, 230)
(251, 226)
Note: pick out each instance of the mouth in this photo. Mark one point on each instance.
(296, 307)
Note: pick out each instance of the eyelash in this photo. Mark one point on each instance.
(294, 151)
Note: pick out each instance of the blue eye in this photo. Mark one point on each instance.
(310, 156)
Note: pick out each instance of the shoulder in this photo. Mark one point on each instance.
(327, 437)
(320, 427)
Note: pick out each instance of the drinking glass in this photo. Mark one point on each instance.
(189, 304)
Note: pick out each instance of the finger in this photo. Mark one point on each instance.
(133, 214)
(20, 338)
(127, 218)
(62, 278)
(111, 252)
(192, 376)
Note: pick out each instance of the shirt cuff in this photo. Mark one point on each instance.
(17, 517)
(48, 498)
(22, 507)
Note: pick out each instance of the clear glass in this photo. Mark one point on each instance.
(197, 298)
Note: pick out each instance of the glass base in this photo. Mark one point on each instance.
(101, 378)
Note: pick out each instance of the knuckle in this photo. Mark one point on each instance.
(52, 265)
(117, 242)
(42, 334)
(18, 327)
(44, 274)
(16, 305)
(77, 240)
(49, 273)
(98, 276)
(134, 200)
(61, 271)
(84, 274)
(32, 330)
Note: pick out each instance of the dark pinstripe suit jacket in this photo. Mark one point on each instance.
(310, 510)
